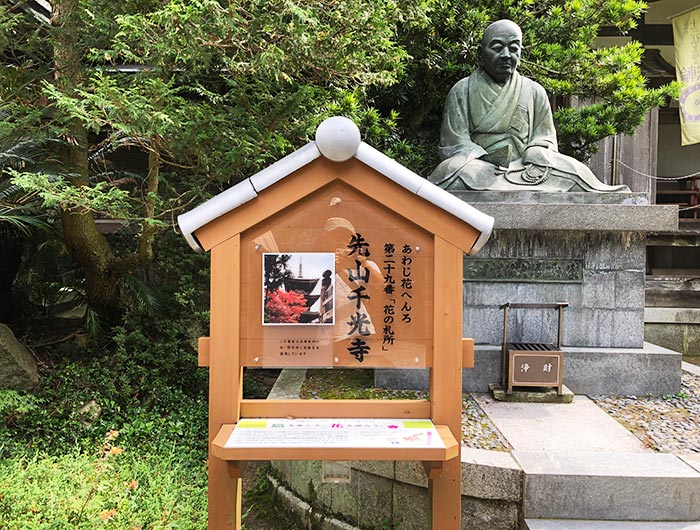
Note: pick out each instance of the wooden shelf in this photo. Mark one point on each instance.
(683, 197)
(448, 451)
(335, 408)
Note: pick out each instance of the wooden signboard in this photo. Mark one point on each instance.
(379, 272)
(336, 263)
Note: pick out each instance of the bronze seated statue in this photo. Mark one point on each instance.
(497, 130)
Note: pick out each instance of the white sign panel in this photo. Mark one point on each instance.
(346, 432)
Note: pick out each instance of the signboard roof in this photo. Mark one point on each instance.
(337, 139)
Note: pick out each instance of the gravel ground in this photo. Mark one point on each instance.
(478, 432)
(669, 424)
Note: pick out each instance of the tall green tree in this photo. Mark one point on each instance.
(209, 90)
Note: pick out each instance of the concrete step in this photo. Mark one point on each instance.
(609, 486)
(562, 524)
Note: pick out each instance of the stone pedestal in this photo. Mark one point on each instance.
(587, 249)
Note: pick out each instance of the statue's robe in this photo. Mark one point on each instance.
(497, 137)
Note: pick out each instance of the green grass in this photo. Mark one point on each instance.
(115, 436)
(118, 487)
(136, 460)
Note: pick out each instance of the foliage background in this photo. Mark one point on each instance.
(138, 110)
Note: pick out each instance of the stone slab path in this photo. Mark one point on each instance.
(580, 426)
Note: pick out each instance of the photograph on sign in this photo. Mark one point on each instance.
(298, 288)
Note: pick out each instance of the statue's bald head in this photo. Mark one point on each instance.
(500, 49)
(501, 27)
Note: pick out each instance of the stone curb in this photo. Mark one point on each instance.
(305, 512)
(288, 384)
(688, 367)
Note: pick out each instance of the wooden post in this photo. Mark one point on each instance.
(504, 352)
(561, 319)
(446, 380)
(225, 379)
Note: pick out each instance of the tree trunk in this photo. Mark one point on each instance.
(90, 249)
(87, 246)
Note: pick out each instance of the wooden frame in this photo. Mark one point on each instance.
(449, 351)
(436, 454)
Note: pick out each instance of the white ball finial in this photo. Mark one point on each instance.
(338, 138)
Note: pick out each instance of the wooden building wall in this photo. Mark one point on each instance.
(628, 159)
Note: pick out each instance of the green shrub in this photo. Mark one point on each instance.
(15, 405)
(140, 377)
(150, 389)
(140, 384)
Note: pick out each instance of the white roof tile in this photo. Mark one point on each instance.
(333, 130)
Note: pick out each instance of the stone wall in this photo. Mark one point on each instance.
(652, 370)
(600, 275)
(381, 494)
(674, 328)
(587, 249)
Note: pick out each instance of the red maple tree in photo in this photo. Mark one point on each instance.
(284, 307)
